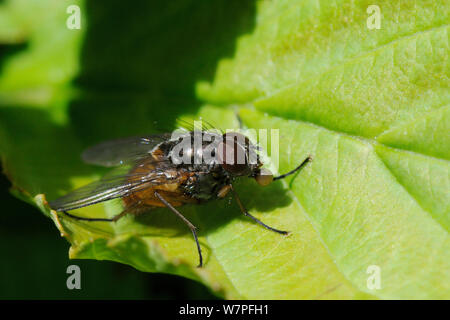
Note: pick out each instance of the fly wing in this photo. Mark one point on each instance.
(110, 187)
(122, 151)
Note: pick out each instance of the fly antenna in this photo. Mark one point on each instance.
(309, 158)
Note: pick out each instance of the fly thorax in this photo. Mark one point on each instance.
(195, 149)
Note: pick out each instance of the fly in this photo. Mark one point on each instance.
(167, 171)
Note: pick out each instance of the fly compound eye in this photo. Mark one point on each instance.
(264, 177)
(231, 153)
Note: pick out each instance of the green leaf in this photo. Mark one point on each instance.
(370, 106)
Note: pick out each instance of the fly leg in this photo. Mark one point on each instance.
(308, 159)
(113, 219)
(188, 223)
(246, 213)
